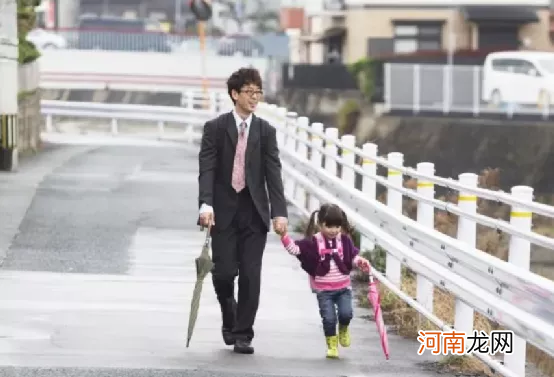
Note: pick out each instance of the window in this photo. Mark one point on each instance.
(429, 45)
(417, 36)
(405, 31)
(334, 5)
(405, 46)
(429, 30)
(514, 66)
(333, 53)
(547, 65)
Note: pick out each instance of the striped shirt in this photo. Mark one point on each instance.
(334, 279)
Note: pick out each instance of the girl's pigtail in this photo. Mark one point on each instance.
(349, 229)
(310, 230)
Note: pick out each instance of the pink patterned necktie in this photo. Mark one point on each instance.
(238, 181)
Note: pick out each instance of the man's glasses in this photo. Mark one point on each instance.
(252, 93)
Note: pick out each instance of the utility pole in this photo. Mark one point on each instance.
(56, 14)
(9, 88)
(178, 23)
(239, 9)
(202, 10)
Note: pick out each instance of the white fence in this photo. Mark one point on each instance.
(444, 89)
(505, 292)
(196, 110)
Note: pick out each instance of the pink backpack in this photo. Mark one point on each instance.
(323, 250)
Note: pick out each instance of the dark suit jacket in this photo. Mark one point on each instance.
(262, 165)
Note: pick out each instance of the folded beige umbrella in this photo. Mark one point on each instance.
(204, 266)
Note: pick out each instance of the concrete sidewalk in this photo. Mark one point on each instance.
(18, 188)
(139, 320)
(106, 324)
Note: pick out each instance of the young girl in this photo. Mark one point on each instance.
(328, 257)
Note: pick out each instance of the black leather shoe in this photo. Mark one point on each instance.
(228, 336)
(243, 346)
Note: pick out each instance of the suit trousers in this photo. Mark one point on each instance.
(238, 250)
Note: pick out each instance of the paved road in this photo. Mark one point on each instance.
(98, 279)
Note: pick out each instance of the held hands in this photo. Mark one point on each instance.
(280, 225)
(364, 265)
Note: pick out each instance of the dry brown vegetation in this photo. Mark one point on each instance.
(400, 315)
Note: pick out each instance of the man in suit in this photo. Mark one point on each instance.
(238, 158)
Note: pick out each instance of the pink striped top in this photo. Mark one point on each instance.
(335, 279)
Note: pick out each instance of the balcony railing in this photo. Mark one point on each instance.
(421, 89)
(255, 46)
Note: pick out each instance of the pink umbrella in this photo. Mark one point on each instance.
(375, 300)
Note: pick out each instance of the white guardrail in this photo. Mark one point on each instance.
(196, 110)
(505, 292)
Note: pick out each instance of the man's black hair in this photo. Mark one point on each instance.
(242, 77)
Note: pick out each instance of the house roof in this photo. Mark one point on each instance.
(490, 13)
(351, 4)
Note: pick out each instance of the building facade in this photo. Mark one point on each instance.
(347, 30)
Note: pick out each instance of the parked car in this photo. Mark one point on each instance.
(519, 77)
(44, 39)
(239, 44)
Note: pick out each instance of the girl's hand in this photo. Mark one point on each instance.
(280, 231)
(364, 265)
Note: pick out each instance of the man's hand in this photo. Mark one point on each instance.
(207, 219)
(280, 225)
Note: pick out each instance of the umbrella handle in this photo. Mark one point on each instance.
(208, 236)
(371, 278)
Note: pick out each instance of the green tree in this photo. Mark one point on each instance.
(26, 20)
(364, 71)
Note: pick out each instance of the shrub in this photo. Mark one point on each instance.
(364, 71)
(26, 20)
(347, 117)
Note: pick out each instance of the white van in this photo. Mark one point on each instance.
(519, 77)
